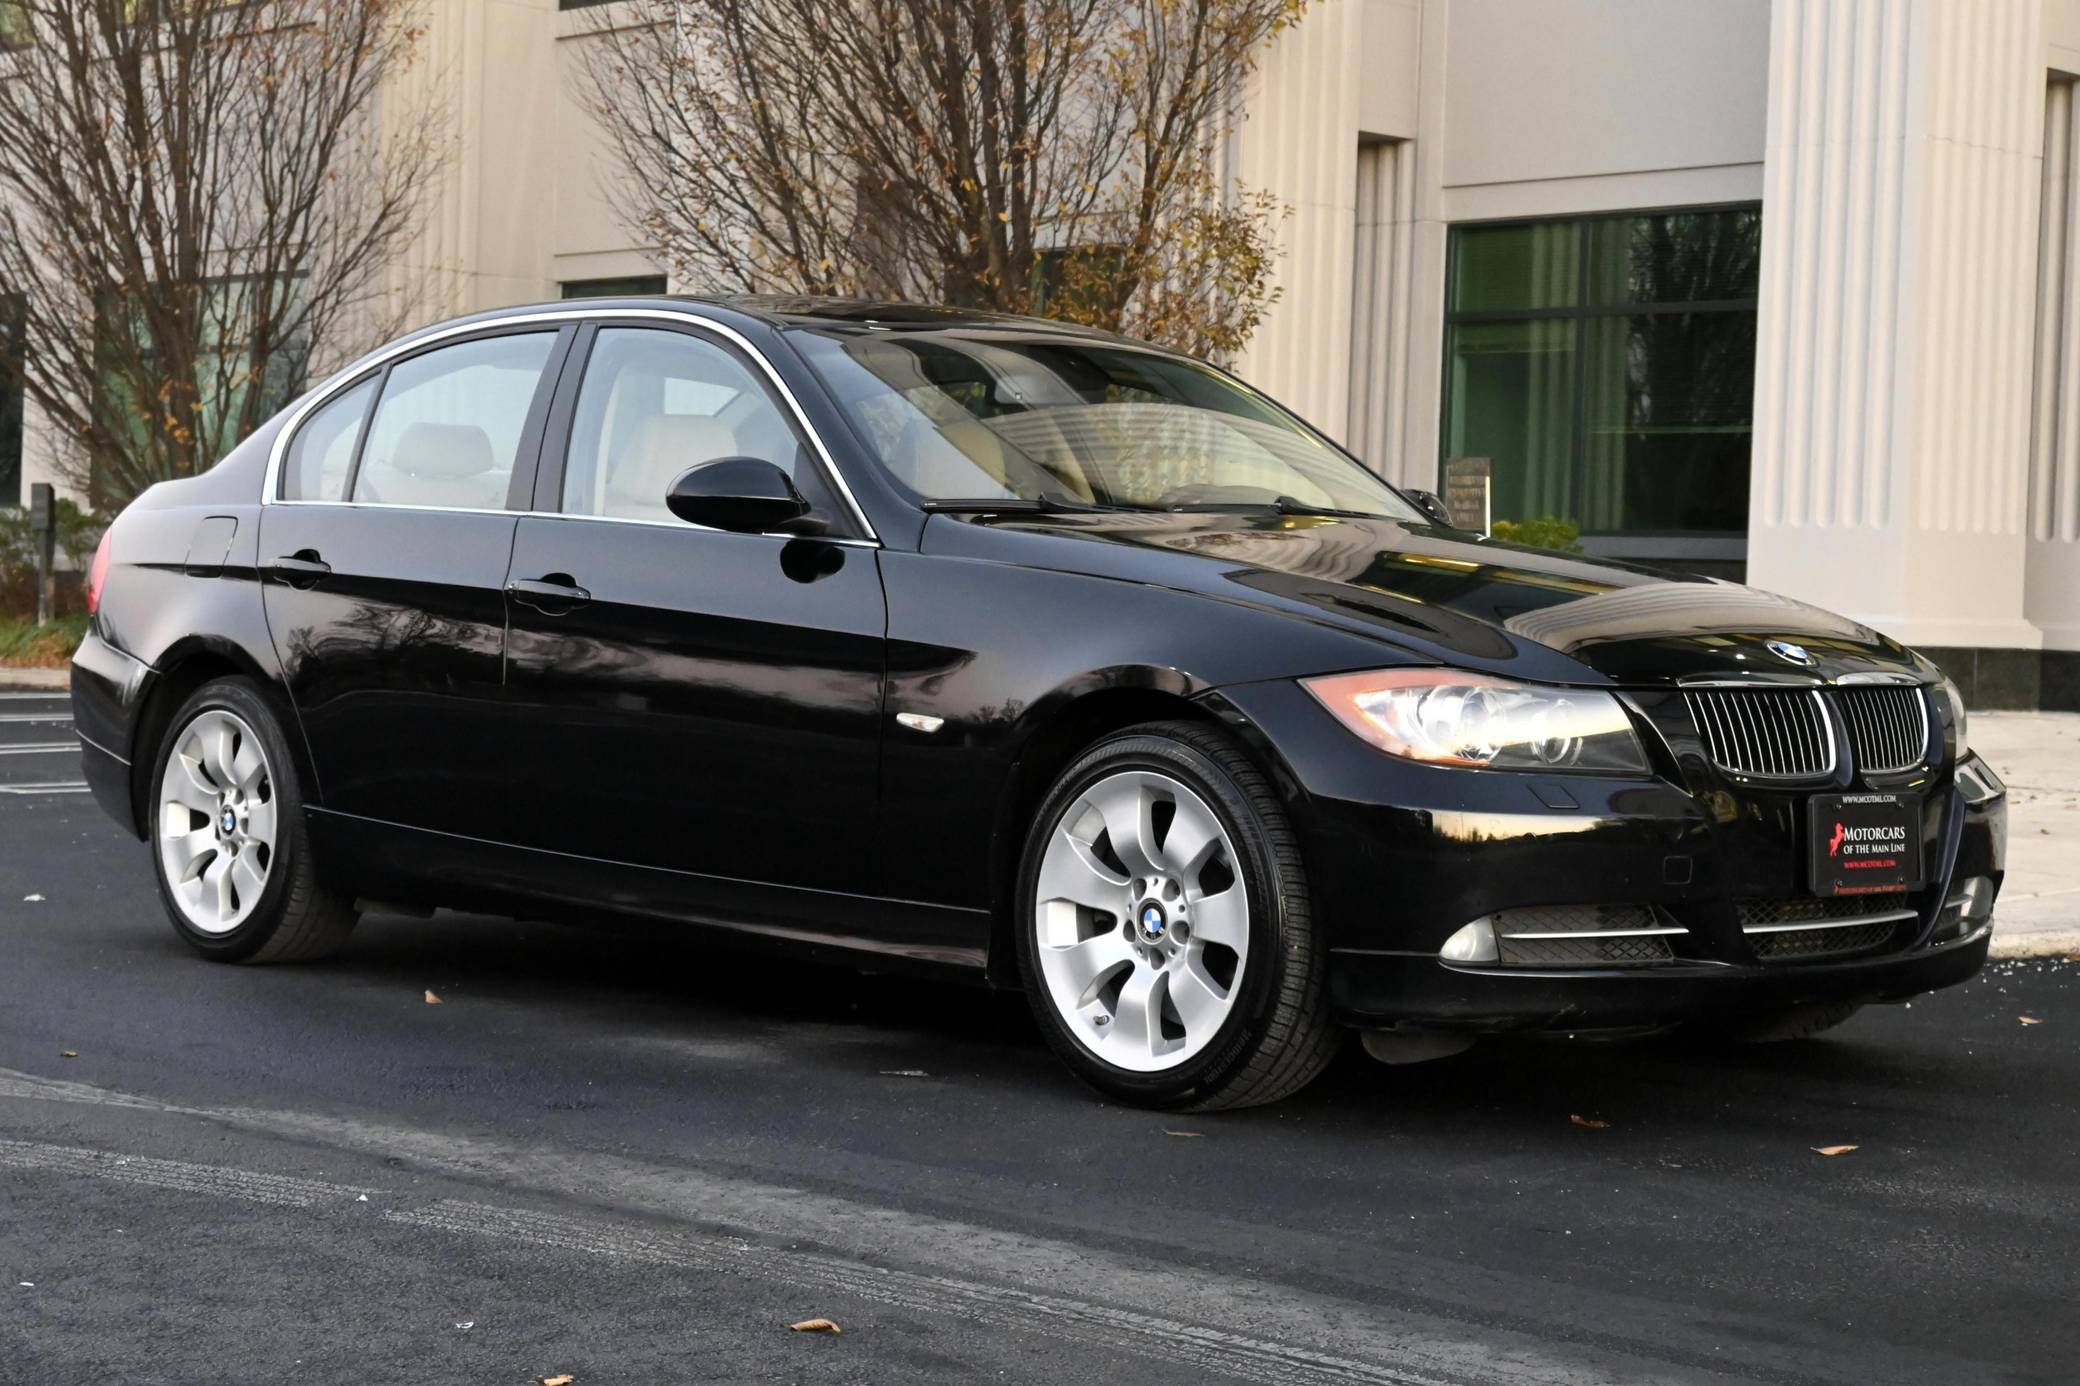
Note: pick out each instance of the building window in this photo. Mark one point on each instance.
(1606, 367)
(12, 341)
(628, 286)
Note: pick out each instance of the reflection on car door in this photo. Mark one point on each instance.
(385, 559)
(693, 700)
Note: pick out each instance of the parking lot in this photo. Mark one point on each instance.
(634, 1157)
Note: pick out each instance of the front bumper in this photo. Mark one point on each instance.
(1401, 856)
(1413, 991)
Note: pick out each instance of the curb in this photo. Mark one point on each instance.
(2035, 943)
(35, 680)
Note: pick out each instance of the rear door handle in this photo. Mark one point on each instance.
(302, 568)
(553, 595)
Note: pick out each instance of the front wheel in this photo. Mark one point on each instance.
(232, 853)
(1165, 937)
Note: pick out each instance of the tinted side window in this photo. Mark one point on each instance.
(447, 429)
(323, 450)
(655, 403)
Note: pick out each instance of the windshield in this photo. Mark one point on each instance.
(980, 415)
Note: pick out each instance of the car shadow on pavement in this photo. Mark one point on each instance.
(638, 992)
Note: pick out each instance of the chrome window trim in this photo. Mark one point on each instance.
(594, 519)
(270, 487)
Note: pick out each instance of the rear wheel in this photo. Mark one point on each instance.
(1165, 937)
(229, 838)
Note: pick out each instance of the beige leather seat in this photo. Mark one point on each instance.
(443, 464)
(664, 445)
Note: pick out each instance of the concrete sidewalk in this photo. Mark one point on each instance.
(2038, 754)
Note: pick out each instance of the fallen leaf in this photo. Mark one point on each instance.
(68, 1053)
(2029, 1020)
(1833, 1149)
(815, 1326)
(1188, 1135)
(432, 1000)
(1593, 1123)
(904, 1073)
(565, 1380)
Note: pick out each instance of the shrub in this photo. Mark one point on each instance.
(1545, 532)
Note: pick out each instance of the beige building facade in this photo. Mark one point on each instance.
(1782, 290)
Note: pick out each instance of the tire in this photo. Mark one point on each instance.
(1776, 1027)
(237, 880)
(1093, 957)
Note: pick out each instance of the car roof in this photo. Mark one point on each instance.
(782, 312)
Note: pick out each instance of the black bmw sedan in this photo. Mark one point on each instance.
(1011, 651)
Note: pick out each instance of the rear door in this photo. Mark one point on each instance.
(384, 553)
(694, 700)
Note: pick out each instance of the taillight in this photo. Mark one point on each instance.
(98, 574)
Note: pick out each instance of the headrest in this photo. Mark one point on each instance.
(665, 445)
(442, 451)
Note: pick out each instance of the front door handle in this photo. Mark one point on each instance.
(302, 568)
(552, 594)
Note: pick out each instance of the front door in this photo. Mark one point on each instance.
(384, 555)
(692, 700)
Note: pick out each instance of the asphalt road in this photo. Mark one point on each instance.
(638, 1160)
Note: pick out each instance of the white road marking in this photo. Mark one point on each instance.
(1237, 1356)
(280, 1190)
(50, 787)
(41, 748)
(1268, 1333)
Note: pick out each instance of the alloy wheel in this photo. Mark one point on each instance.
(1143, 921)
(216, 821)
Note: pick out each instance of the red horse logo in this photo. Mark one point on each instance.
(1834, 846)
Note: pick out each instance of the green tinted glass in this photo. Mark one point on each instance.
(1521, 265)
(1606, 367)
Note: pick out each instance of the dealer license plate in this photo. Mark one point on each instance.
(1865, 844)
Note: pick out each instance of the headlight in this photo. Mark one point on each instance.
(1447, 717)
(1956, 713)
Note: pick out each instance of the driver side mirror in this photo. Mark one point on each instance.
(1430, 504)
(745, 495)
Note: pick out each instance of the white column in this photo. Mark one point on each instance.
(1299, 141)
(1381, 310)
(2052, 585)
(1894, 348)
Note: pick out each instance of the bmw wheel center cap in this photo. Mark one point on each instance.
(1152, 921)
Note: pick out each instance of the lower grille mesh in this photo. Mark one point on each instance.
(1582, 936)
(1584, 952)
(1822, 943)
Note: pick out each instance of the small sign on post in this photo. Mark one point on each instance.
(1466, 492)
(43, 524)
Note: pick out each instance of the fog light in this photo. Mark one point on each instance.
(1474, 943)
(1970, 905)
(1977, 782)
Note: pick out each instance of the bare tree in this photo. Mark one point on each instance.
(1053, 156)
(195, 198)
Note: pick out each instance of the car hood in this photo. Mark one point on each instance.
(1451, 597)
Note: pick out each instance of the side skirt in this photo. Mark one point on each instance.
(387, 861)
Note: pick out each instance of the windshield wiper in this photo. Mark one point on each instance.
(1027, 505)
(1277, 505)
